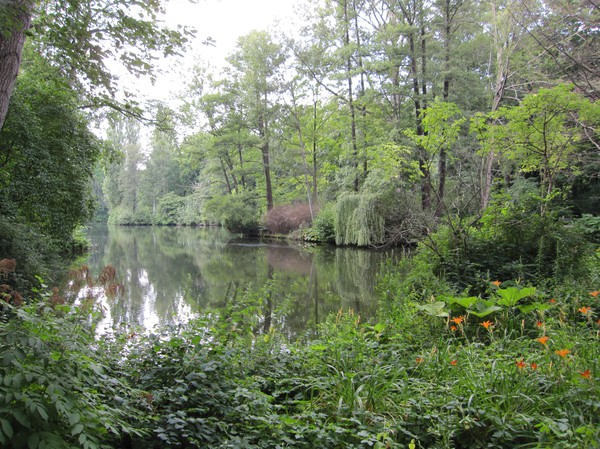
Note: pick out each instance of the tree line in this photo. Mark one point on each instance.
(385, 117)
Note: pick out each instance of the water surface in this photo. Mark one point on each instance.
(172, 274)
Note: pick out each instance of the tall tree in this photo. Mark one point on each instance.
(258, 61)
(15, 19)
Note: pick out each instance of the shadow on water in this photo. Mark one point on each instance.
(172, 274)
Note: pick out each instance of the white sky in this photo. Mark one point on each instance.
(222, 20)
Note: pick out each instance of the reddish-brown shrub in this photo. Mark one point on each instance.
(287, 218)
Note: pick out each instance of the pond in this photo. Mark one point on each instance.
(172, 274)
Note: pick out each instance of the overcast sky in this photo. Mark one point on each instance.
(222, 20)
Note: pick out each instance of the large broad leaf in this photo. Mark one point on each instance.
(484, 308)
(434, 308)
(534, 306)
(464, 302)
(509, 297)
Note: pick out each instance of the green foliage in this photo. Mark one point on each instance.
(360, 219)
(237, 213)
(47, 153)
(323, 226)
(590, 226)
(169, 207)
(57, 389)
(122, 215)
(513, 240)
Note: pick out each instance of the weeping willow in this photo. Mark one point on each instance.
(359, 219)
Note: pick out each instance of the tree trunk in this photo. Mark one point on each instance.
(442, 162)
(17, 18)
(426, 181)
(351, 99)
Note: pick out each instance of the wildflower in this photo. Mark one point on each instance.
(487, 324)
(598, 321)
(453, 362)
(497, 283)
(458, 319)
(534, 366)
(520, 364)
(595, 293)
(587, 374)
(419, 360)
(543, 340)
(452, 328)
(539, 324)
(552, 301)
(562, 352)
(584, 310)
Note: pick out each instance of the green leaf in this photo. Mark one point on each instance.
(6, 428)
(484, 308)
(77, 429)
(33, 441)
(434, 308)
(512, 295)
(534, 306)
(464, 302)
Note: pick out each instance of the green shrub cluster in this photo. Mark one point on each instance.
(323, 226)
(512, 240)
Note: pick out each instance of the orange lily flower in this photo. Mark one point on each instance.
(584, 310)
(543, 340)
(595, 293)
(552, 301)
(520, 364)
(534, 366)
(539, 324)
(453, 362)
(458, 319)
(452, 328)
(587, 374)
(562, 352)
(419, 359)
(497, 283)
(487, 324)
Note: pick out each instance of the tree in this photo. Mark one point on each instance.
(544, 133)
(15, 19)
(79, 36)
(47, 154)
(441, 127)
(257, 62)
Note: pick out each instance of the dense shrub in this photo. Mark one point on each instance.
(287, 218)
(512, 240)
(323, 226)
(238, 213)
(121, 215)
(168, 210)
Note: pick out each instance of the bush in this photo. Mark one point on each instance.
(288, 218)
(323, 226)
(169, 207)
(513, 240)
(57, 388)
(238, 213)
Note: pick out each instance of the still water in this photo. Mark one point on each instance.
(172, 274)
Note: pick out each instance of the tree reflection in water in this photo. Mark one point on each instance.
(172, 274)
